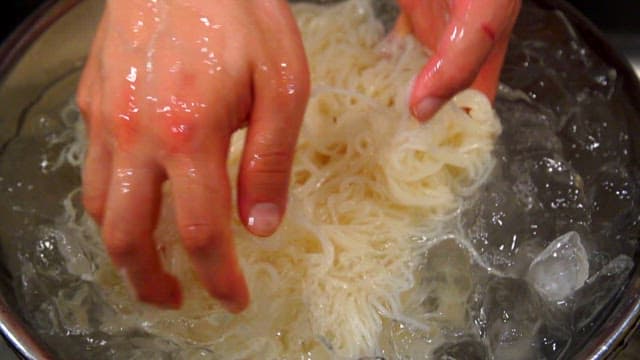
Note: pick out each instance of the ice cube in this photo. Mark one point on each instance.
(494, 225)
(560, 269)
(509, 319)
(600, 289)
(595, 133)
(446, 280)
(408, 342)
(553, 339)
(554, 189)
(612, 194)
(465, 349)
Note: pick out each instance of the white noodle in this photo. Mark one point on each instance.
(367, 178)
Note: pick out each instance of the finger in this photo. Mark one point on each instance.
(427, 19)
(96, 173)
(203, 210)
(97, 168)
(489, 75)
(84, 93)
(281, 90)
(130, 218)
(468, 40)
(402, 26)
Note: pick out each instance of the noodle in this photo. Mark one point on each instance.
(367, 178)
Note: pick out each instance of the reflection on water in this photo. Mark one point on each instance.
(566, 164)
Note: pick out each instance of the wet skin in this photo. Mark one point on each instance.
(469, 39)
(167, 83)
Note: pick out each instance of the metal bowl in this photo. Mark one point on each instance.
(49, 48)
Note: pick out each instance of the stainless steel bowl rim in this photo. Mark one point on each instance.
(624, 318)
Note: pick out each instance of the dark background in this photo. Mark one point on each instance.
(15, 11)
(614, 16)
(618, 19)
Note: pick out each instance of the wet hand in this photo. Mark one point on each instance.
(469, 40)
(163, 89)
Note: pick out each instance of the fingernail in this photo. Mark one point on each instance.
(264, 218)
(427, 108)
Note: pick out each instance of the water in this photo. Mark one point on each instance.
(561, 209)
(466, 349)
(509, 318)
(566, 183)
(599, 290)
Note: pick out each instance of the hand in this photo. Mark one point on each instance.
(469, 39)
(164, 87)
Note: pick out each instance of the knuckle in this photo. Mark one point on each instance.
(120, 245)
(83, 101)
(268, 177)
(294, 88)
(288, 82)
(201, 182)
(177, 134)
(199, 238)
(271, 163)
